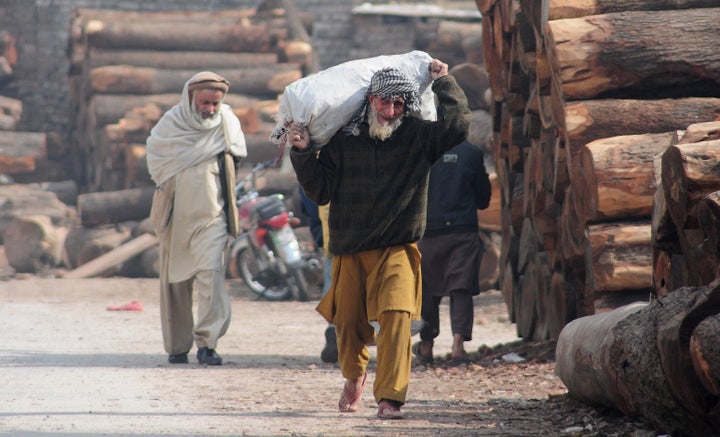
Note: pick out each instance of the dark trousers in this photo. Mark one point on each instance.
(461, 314)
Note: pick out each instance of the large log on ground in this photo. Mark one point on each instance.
(19, 151)
(114, 206)
(607, 53)
(33, 244)
(112, 260)
(637, 359)
(125, 79)
(705, 353)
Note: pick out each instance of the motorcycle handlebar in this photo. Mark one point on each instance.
(240, 185)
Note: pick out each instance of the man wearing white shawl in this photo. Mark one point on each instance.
(184, 152)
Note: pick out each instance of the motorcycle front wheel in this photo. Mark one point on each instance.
(269, 285)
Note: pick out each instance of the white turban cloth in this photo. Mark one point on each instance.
(182, 138)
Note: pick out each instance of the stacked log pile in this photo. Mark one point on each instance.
(19, 151)
(586, 101)
(129, 68)
(686, 215)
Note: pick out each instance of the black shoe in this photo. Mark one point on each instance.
(329, 353)
(208, 356)
(178, 358)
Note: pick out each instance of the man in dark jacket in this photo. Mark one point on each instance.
(451, 247)
(374, 173)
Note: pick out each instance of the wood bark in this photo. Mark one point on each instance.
(114, 206)
(705, 353)
(123, 79)
(637, 359)
(608, 53)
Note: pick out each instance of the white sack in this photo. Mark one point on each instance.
(326, 101)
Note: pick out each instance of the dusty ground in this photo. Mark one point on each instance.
(70, 367)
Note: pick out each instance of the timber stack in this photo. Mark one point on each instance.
(587, 98)
(128, 68)
(607, 150)
(20, 151)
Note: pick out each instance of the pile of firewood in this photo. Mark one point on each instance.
(130, 67)
(586, 100)
(19, 151)
(607, 152)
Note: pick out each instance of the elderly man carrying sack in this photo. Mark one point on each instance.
(374, 174)
(191, 154)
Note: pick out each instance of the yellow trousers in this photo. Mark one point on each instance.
(382, 285)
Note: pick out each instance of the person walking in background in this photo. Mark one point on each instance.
(374, 174)
(185, 155)
(451, 247)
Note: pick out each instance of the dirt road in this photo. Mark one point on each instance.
(68, 366)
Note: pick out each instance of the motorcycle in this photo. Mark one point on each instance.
(268, 255)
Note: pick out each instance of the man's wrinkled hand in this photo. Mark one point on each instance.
(298, 136)
(438, 69)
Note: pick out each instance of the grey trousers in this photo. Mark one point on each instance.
(180, 329)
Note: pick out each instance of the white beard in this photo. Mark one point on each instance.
(381, 130)
(204, 122)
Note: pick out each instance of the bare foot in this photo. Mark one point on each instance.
(458, 348)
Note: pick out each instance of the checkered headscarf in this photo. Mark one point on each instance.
(386, 83)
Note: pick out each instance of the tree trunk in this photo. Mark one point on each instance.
(111, 261)
(637, 359)
(124, 79)
(622, 178)
(595, 119)
(607, 53)
(114, 206)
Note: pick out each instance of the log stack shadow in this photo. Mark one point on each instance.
(586, 101)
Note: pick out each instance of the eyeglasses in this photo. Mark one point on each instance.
(398, 103)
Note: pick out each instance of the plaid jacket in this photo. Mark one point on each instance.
(378, 189)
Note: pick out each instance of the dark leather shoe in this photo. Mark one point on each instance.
(178, 358)
(208, 357)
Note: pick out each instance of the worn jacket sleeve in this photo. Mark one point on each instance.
(453, 118)
(315, 170)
